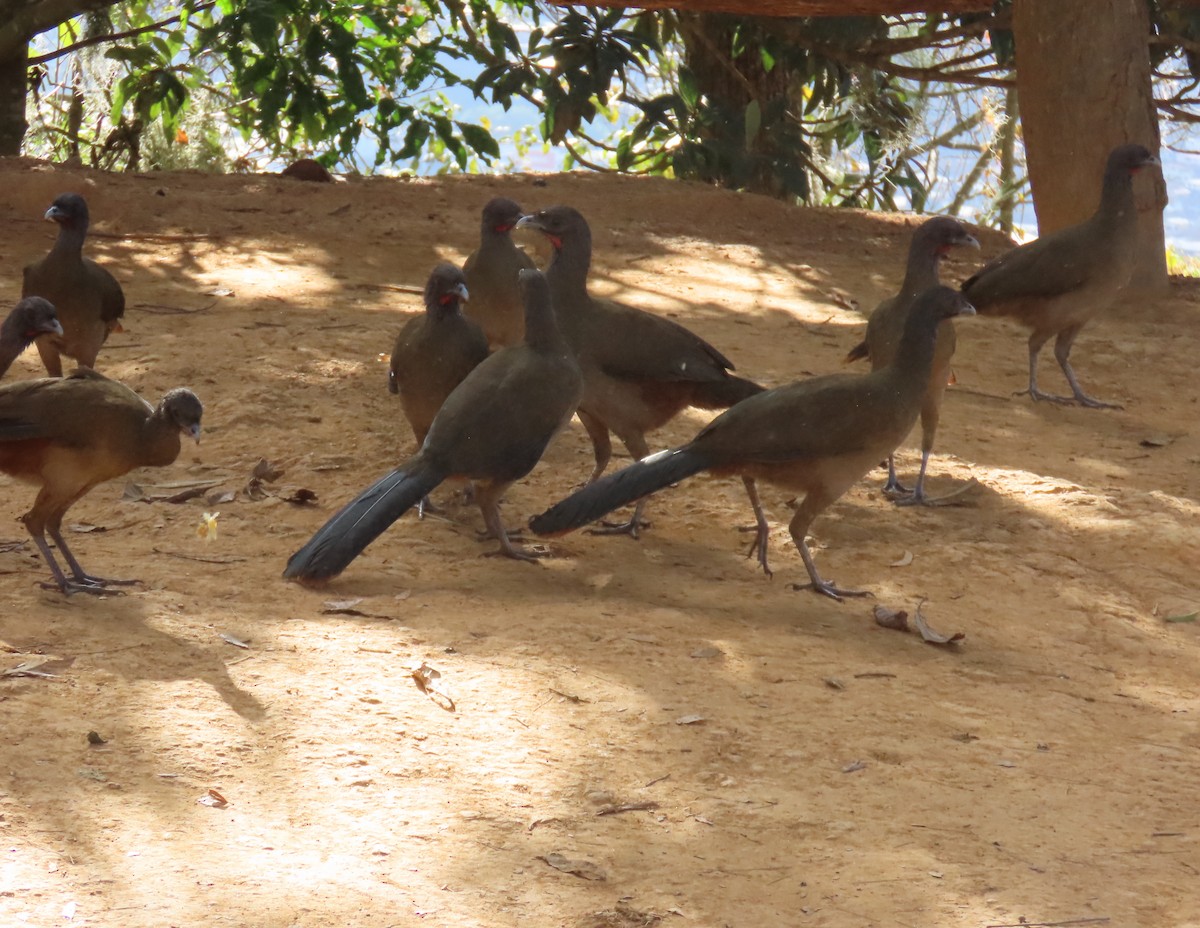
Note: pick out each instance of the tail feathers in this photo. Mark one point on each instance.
(858, 352)
(625, 486)
(340, 540)
(723, 393)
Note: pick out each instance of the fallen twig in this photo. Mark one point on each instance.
(165, 309)
(160, 236)
(224, 559)
(1069, 921)
(644, 806)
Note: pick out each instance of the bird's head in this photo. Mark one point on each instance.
(446, 287)
(35, 316)
(184, 408)
(942, 233)
(942, 303)
(501, 215)
(68, 209)
(559, 224)
(1131, 158)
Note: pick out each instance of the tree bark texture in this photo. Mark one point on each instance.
(1083, 73)
(13, 85)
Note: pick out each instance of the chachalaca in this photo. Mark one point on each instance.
(434, 352)
(491, 271)
(67, 434)
(492, 429)
(30, 318)
(89, 301)
(639, 369)
(932, 240)
(1055, 284)
(816, 436)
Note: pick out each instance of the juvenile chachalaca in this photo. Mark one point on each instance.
(639, 369)
(89, 301)
(817, 436)
(492, 429)
(30, 318)
(931, 242)
(434, 352)
(65, 435)
(1055, 284)
(491, 271)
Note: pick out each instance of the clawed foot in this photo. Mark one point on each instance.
(630, 528)
(528, 555)
(93, 586)
(1092, 403)
(895, 490)
(1079, 399)
(830, 589)
(953, 498)
(760, 545)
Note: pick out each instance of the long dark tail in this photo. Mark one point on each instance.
(340, 540)
(615, 490)
(858, 352)
(721, 394)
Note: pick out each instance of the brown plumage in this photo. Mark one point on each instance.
(66, 435)
(932, 240)
(30, 318)
(492, 429)
(1055, 284)
(639, 369)
(491, 271)
(434, 353)
(88, 299)
(817, 437)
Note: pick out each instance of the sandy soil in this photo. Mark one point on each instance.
(770, 757)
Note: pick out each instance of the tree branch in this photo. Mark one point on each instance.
(42, 15)
(114, 36)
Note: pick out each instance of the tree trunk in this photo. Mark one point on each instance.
(731, 83)
(14, 76)
(1083, 73)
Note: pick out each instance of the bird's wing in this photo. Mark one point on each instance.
(821, 417)
(112, 297)
(632, 344)
(1047, 267)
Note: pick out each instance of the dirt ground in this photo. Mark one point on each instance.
(768, 757)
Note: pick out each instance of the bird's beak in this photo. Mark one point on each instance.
(53, 327)
(529, 221)
(53, 214)
(463, 294)
(1153, 159)
(967, 309)
(970, 240)
(193, 432)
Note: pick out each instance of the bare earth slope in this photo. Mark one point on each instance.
(786, 762)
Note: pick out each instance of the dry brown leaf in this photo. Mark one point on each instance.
(178, 491)
(905, 559)
(895, 619)
(213, 799)
(267, 471)
(583, 869)
(929, 635)
(300, 496)
(428, 680)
